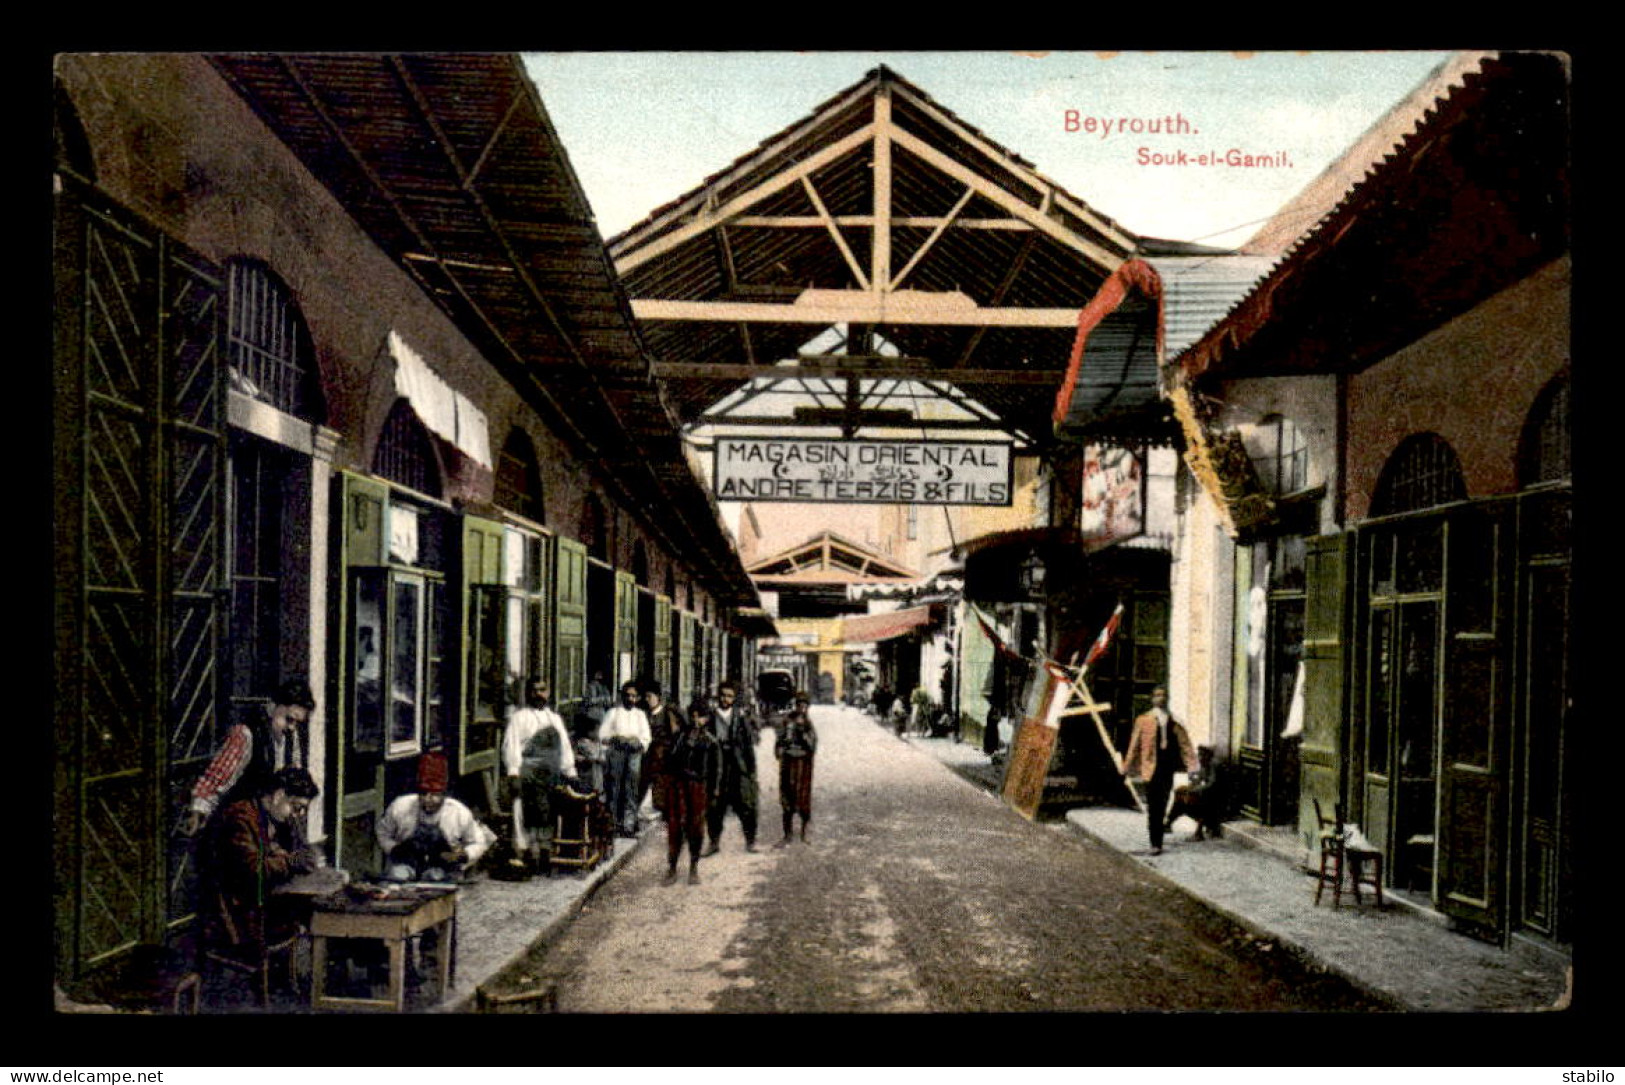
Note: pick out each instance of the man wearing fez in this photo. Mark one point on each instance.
(1158, 747)
(427, 836)
(736, 731)
(253, 751)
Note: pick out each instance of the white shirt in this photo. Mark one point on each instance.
(523, 725)
(627, 724)
(457, 823)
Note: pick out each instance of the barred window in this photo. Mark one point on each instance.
(267, 346)
(1544, 449)
(405, 454)
(1422, 472)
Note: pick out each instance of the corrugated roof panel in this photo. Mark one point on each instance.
(1199, 291)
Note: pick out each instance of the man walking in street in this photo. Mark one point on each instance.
(690, 777)
(1157, 748)
(795, 746)
(665, 721)
(624, 735)
(737, 731)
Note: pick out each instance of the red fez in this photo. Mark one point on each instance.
(432, 772)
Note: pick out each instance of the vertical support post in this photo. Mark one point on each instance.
(324, 446)
(880, 248)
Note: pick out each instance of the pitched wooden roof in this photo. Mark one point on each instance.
(884, 214)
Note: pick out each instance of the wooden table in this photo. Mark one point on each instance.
(407, 911)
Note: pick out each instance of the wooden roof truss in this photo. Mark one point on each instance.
(879, 251)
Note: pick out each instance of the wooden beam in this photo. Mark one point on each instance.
(1022, 210)
(637, 257)
(913, 425)
(835, 232)
(925, 246)
(880, 236)
(736, 371)
(924, 222)
(1032, 176)
(911, 307)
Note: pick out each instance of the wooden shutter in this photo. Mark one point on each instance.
(1474, 749)
(662, 648)
(484, 689)
(358, 755)
(1328, 584)
(626, 627)
(570, 623)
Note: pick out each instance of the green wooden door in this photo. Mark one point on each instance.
(570, 623)
(1326, 614)
(360, 656)
(486, 691)
(1475, 706)
(662, 647)
(626, 627)
(139, 459)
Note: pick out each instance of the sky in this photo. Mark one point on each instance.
(643, 128)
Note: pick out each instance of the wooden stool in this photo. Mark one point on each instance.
(542, 999)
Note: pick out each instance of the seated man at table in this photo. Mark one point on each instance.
(428, 836)
(240, 920)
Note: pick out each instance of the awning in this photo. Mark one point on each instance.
(1117, 351)
(877, 627)
(1021, 538)
(446, 412)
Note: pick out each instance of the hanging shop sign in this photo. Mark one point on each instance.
(1113, 506)
(863, 472)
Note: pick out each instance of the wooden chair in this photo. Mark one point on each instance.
(257, 967)
(1363, 863)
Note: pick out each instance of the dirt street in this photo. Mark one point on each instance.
(916, 892)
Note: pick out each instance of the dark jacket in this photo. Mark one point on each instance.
(796, 737)
(665, 724)
(244, 865)
(695, 755)
(739, 752)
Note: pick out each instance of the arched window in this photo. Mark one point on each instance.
(1422, 472)
(267, 345)
(1543, 450)
(519, 478)
(1282, 459)
(405, 453)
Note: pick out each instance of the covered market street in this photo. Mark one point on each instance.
(916, 892)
